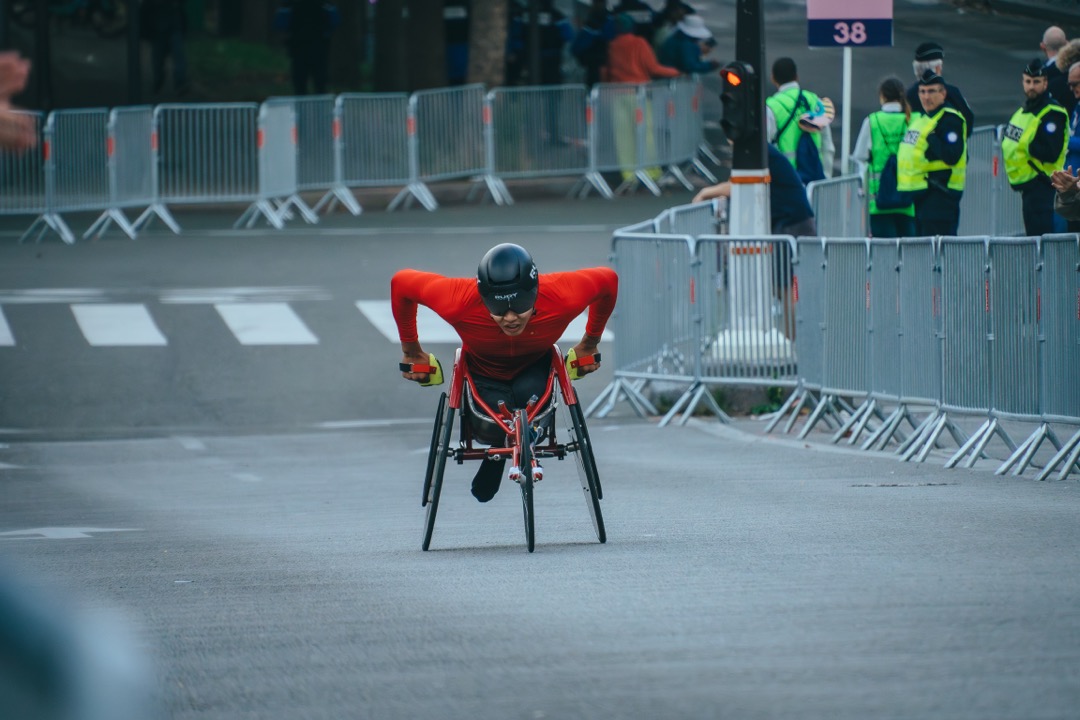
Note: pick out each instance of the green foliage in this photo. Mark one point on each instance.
(231, 70)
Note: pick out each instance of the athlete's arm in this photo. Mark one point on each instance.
(602, 286)
(408, 290)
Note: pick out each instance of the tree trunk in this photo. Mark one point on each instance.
(427, 55)
(487, 42)
(390, 73)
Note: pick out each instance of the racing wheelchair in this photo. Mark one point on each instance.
(530, 434)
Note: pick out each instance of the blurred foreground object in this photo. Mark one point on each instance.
(63, 662)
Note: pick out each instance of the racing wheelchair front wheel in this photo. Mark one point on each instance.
(587, 473)
(440, 449)
(525, 458)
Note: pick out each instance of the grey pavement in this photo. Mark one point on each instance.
(743, 577)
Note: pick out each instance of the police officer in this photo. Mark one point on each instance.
(931, 56)
(1034, 145)
(932, 160)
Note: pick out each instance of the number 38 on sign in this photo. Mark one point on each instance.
(832, 23)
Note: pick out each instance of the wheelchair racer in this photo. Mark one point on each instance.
(508, 318)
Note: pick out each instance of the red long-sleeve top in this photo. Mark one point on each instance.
(561, 297)
(631, 60)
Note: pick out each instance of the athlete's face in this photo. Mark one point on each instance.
(1034, 86)
(932, 97)
(513, 323)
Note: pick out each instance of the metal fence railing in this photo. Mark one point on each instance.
(983, 328)
(266, 155)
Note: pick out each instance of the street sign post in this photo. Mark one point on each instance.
(846, 24)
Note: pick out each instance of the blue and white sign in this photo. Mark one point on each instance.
(842, 23)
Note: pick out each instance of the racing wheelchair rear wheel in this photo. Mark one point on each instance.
(586, 465)
(440, 449)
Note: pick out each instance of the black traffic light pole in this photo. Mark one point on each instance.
(750, 49)
(744, 123)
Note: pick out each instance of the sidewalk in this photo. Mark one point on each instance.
(1041, 9)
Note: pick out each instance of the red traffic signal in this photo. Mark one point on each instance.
(740, 97)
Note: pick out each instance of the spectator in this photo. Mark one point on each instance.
(930, 56)
(164, 26)
(1053, 42)
(1033, 146)
(932, 160)
(631, 60)
(664, 22)
(644, 17)
(789, 214)
(456, 33)
(555, 32)
(686, 47)
(1067, 198)
(308, 25)
(590, 45)
(1072, 151)
(788, 104)
(879, 139)
(17, 131)
(1073, 155)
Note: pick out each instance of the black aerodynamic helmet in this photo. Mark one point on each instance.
(507, 279)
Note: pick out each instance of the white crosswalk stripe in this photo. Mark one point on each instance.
(255, 316)
(6, 338)
(117, 325)
(433, 329)
(265, 324)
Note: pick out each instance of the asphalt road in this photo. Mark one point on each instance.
(281, 577)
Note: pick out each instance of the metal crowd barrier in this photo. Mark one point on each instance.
(977, 327)
(130, 159)
(212, 153)
(539, 132)
(839, 206)
(374, 148)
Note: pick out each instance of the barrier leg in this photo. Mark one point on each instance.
(157, 210)
(110, 216)
(1023, 454)
(49, 221)
(1072, 445)
(336, 194)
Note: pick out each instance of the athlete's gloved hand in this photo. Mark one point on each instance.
(578, 367)
(425, 370)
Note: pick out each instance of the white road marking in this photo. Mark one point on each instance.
(61, 533)
(190, 443)
(433, 329)
(118, 325)
(265, 324)
(37, 296)
(6, 338)
(212, 296)
(247, 477)
(357, 424)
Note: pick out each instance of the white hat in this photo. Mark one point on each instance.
(694, 26)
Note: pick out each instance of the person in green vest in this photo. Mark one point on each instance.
(931, 161)
(783, 113)
(878, 140)
(1033, 147)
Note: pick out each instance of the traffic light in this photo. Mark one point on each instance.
(742, 106)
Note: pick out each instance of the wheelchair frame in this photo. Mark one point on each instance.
(520, 446)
